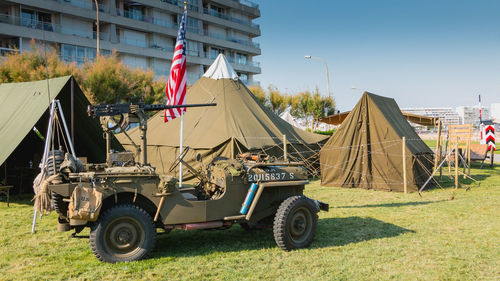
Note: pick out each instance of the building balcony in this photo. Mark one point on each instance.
(84, 4)
(231, 39)
(162, 48)
(153, 20)
(134, 42)
(229, 18)
(7, 51)
(102, 35)
(190, 6)
(232, 60)
(30, 23)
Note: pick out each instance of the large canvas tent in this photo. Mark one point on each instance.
(238, 123)
(367, 149)
(24, 106)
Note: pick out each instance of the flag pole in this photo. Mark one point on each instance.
(181, 149)
(182, 130)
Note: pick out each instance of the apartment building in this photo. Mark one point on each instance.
(447, 115)
(142, 32)
(470, 114)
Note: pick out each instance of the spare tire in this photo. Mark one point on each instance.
(55, 158)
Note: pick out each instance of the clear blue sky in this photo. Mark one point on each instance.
(422, 53)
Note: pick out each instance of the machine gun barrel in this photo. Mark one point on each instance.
(122, 108)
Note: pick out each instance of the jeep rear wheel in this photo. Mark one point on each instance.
(123, 233)
(295, 223)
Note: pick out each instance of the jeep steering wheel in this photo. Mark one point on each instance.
(179, 159)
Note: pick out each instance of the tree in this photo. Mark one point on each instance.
(321, 107)
(108, 80)
(277, 100)
(259, 93)
(35, 65)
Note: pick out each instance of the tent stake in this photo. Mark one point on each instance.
(404, 166)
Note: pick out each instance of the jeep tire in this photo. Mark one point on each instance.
(295, 223)
(123, 233)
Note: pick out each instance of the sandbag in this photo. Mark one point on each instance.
(85, 204)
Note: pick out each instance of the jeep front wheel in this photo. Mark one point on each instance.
(295, 223)
(123, 233)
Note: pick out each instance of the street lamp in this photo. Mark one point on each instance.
(327, 75)
(97, 11)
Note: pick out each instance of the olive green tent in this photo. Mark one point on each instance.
(367, 150)
(238, 123)
(26, 105)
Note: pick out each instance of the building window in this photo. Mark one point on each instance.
(243, 77)
(217, 11)
(192, 48)
(78, 54)
(133, 11)
(230, 56)
(35, 19)
(192, 25)
(214, 52)
(241, 58)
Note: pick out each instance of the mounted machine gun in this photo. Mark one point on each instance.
(117, 116)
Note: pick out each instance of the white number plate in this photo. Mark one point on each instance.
(273, 176)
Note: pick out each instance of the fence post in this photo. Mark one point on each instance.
(405, 187)
(285, 153)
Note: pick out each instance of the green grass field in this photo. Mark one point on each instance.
(367, 235)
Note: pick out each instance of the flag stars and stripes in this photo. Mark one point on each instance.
(176, 85)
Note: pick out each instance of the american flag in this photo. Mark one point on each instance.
(176, 85)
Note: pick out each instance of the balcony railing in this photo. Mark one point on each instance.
(102, 35)
(7, 51)
(193, 53)
(134, 15)
(179, 3)
(248, 3)
(134, 42)
(153, 20)
(229, 18)
(231, 60)
(165, 23)
(163, 48)
(230, 38)
(30, 23)
(83, 4)
(78, 60)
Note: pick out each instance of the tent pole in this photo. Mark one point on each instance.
(72, 110)
(468, 149)
(5, 170)
(405, 187)
(438, 147)
(432, 175)
(456, 164)
(285, 154)
(66, 129)
(232, 147)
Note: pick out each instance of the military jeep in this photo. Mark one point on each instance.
(124, 202)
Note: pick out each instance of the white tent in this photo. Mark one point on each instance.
(221, 69)
(291, 120)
